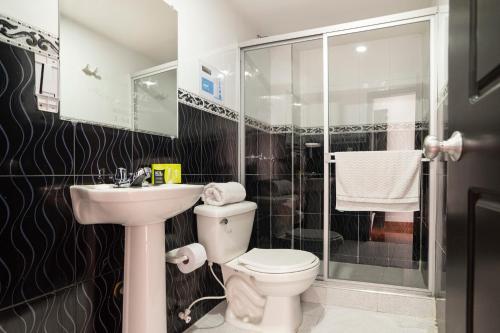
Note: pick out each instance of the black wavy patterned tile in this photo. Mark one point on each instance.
(346, 225)
(264, 236)
(100, 247)
(150, 148)
(98, 147)
(32, 142)
(349, 142)
(251, 147)
(205, 179)
(380, 141)
(281, 227)
(364, 221)
(283, 199)
(54, 312)
(97, 308)
(264, 164)
(188, 146)
(281, 152)
(219, 145)
(180, 231)
(46, 249)
(312, 156)
(417, 246)
(193, 179)
(36, 237)
(312, 201)
(312, 221)
(188, 288)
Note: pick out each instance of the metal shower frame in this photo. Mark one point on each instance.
(423, 15)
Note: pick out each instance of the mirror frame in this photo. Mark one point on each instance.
(166, 67)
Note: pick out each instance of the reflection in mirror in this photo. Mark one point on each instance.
(118, 64)
(155, 90)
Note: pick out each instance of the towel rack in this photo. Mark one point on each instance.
(330, 155)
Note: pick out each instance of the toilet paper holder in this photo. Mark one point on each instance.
(173, 258)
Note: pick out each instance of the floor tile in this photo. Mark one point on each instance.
(329, 319)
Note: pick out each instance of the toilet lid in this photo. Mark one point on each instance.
(277, 260)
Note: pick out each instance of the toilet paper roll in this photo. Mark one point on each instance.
(196, 257)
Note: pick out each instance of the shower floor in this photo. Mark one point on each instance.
(405, 277)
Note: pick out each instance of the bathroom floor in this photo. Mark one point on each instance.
(328, 319)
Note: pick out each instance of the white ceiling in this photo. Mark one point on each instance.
(147, 26)
(272, 17)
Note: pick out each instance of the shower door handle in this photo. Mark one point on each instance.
(451, 147)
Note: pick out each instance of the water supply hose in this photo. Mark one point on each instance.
(185, 315)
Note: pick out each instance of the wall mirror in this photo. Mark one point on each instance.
(119, 64)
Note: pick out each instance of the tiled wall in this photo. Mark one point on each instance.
(270, 175)
(57, 275)
(298, 214)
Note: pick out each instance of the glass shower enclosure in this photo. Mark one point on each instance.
(363, 86)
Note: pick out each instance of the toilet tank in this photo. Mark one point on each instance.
(225, 231)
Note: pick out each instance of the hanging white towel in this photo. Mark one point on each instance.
(387, 181)
(220, 194)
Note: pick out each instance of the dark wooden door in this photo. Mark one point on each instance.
(473, 194)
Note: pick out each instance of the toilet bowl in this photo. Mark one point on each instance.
(263, 286)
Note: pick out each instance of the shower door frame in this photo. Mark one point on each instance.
(423, 15)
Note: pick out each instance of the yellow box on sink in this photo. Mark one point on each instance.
(166, 174)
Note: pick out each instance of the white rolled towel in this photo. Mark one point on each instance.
(220, 194)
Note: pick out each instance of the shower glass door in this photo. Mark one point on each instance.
(352, 88)
(378, 99)
(283, 155)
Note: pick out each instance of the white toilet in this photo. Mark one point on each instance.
(263, 286)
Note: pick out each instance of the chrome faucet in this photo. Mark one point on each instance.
(122, 179)
(140, 176)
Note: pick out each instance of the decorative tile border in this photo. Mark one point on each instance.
(275, 129)
(279, 129)
(383, 127)
(260, 125)
(23, 35)
(188, 98)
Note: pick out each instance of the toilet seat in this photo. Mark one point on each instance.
(278, 261)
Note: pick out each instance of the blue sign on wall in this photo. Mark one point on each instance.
(207, 85)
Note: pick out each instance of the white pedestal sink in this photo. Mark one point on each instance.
(143, 211)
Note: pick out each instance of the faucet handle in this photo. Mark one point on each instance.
(101, 178)
(140, 176)
(121, 176)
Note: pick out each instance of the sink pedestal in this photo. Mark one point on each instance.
(143, 211)
(144, 298)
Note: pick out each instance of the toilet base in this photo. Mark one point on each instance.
(281, 315)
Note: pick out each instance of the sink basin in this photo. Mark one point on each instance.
(143, 211)
(131, 206)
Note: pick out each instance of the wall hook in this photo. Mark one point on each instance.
(90, 72)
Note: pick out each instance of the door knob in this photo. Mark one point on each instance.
(452, 147)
